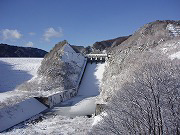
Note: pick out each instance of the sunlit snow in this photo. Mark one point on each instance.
(175, 55)
(15, 71)
(84, 102)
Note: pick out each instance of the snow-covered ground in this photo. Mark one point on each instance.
(15, 71)
(24, 110)
(71, 56)
(53, 125)
(84, 103)
(175, 55)
(68, 118)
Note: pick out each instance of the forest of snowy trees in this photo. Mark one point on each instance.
(148, 104)
(141, 84)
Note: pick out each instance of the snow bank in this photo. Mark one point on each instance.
(175, 55)
(99, 118)
(54, 125)
(13, 115)
(15, 71)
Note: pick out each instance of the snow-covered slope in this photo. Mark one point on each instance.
(13, 115)
(59, 70)
(84, 103)
(15, 71)
(71, 56)
(142, 70)
(155, 37)
(53, 125)
(57, 121)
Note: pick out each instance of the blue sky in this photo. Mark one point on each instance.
(43, 23)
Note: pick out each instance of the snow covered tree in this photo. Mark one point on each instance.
(148, 104)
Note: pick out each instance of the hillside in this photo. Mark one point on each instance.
(59, 70)
(145, 40)
(16, 51)
(139, 89)
(102, 45)
(141, 83)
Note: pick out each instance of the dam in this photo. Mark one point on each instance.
(84, 103)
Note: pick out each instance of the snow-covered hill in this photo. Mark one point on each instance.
(60, 70)
(140, 86)
(158, 38)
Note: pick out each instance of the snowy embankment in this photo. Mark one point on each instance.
(84, 103)
(13, 115)
(58, 121)
(15, 71)
(13, 106)
(53, 125)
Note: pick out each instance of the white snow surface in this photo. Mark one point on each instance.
(175, 55)
(99, 118)
(71, 56)
(68, 117)
(10, 116)
(15, 71)
(84, 103)
(53, 125)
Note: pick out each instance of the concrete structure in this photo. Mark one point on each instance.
(97, 57)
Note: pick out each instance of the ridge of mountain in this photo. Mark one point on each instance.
(158, 39)
(17, 51)
(105, 44)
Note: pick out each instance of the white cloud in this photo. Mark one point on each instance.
(29, 44)
(52, 33)
(10, 34)
(32, 33)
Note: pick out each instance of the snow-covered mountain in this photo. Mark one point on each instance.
(59, 70)
(140, 85)
(157, 38)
